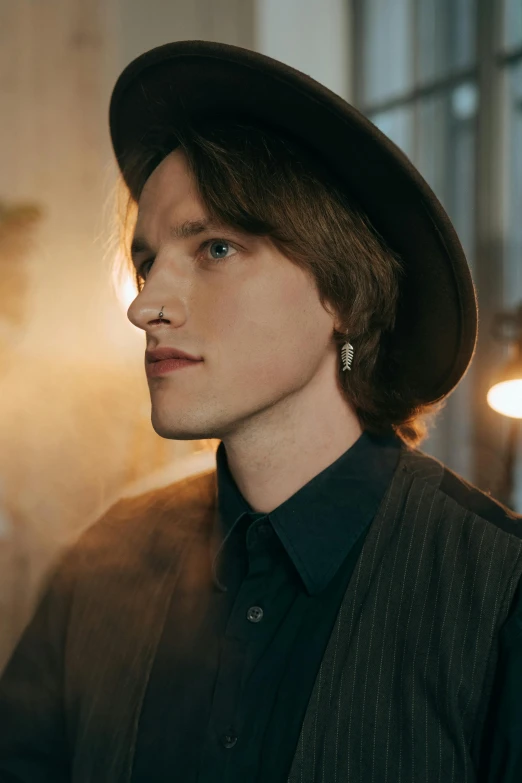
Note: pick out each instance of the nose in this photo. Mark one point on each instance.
(143, 312)
(162, 291)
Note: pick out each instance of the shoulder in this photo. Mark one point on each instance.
(481, 503)
(464, 495)
(134, 530)
(484, 519)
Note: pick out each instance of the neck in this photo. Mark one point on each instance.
(283, 448)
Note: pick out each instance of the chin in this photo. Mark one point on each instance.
(170, 431)
(177, 430)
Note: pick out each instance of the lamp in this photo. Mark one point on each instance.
(505, 392)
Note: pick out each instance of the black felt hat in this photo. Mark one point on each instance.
(436, 329)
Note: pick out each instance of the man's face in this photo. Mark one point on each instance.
(231, 298)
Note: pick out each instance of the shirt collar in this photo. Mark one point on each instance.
(320, 523)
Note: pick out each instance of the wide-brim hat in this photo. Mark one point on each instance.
(435, 334)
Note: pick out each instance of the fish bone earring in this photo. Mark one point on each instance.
(347, 356)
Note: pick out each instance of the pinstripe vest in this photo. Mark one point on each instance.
(404, 684)
(405, 680)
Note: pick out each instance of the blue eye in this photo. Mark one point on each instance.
(222, 248)
(219, 251)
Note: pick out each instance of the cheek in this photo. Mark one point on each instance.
(267, 336)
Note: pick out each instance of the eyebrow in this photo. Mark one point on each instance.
(185, 230)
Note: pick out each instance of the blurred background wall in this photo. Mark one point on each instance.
(443, 78)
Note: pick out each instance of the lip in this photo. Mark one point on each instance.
(168, 365)
(165, 352)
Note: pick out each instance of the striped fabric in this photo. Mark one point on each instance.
(404, 684)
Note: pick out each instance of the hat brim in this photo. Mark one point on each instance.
(436, 329)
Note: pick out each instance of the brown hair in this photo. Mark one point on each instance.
(258, 180)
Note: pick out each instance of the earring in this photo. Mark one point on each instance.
(347, 356)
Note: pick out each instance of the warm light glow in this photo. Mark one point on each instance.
(506, 398)
(127, 292)
(123, 284)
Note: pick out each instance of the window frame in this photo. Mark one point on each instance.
(490, 431)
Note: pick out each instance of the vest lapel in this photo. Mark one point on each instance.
(308, 762)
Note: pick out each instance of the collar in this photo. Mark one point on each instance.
(320, 523)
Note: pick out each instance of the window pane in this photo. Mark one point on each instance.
(445, 37)
(397, 124)
(512, 260)
(512, 33)
(446, 152)
(446, 158)
(513, 188)
(407, 43)
(387, 48)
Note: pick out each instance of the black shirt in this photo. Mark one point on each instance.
(243, 642)
(234, 670)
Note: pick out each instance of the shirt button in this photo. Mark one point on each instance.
(265, 531)
(255, 614)
(229, 740)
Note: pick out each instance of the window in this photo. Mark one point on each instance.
(510, 62)
(430, 74)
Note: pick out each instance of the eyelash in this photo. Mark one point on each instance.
(203, 246)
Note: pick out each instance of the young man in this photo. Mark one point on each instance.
(330, 603)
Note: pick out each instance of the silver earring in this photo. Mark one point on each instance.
(161, 312)
(347, 356)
